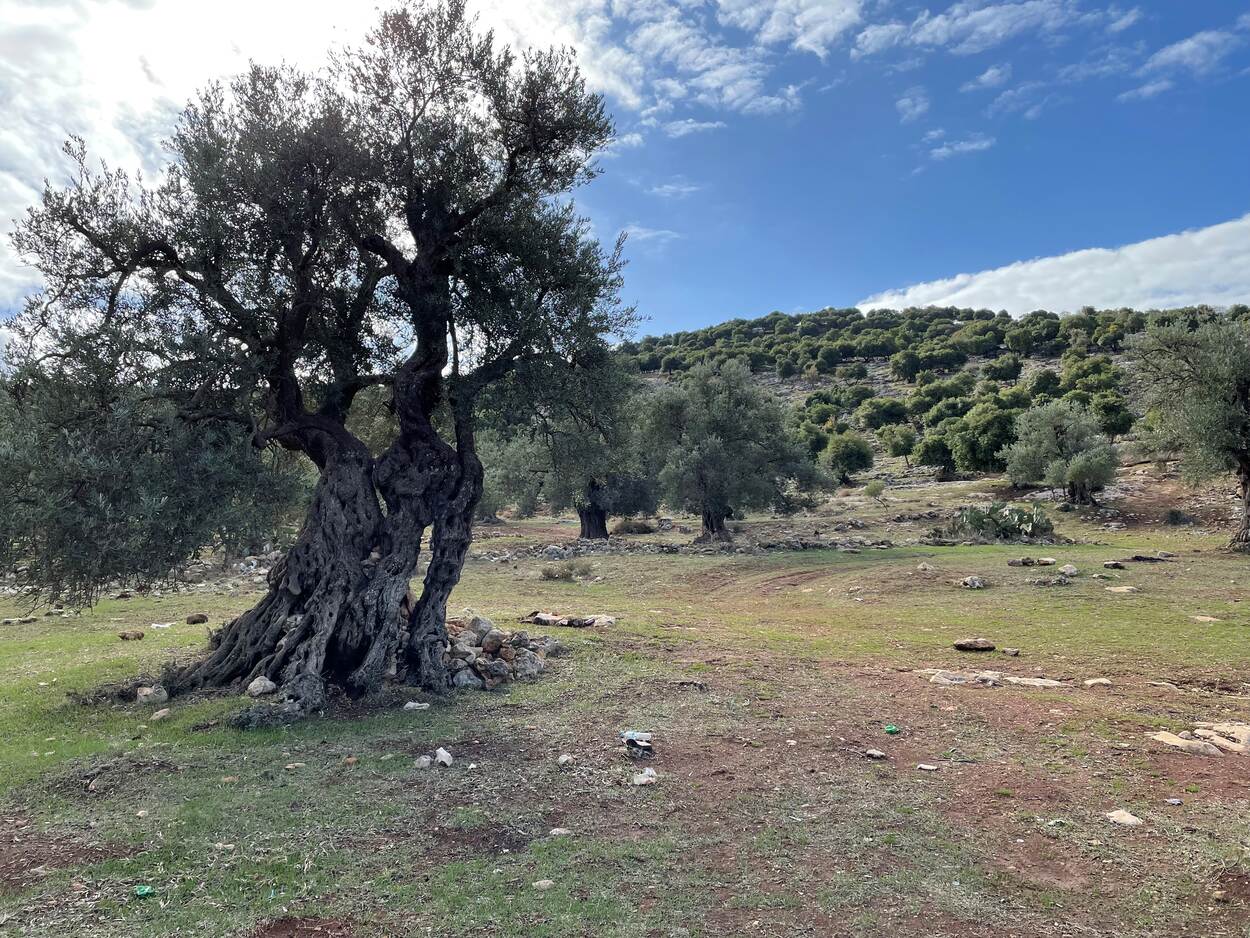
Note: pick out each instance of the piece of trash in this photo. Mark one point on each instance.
(892, 730)
(144, 891)
(442, 757)
(416, 705)
(635, 735)
(874, 753)
(1124, 818)
(637, 744)
(1174, 802)
(292, 766)
(161, 625)
(645, 777)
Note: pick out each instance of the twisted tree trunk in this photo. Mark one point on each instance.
(594, 524)
(339, 613)
(1241, 539)
(714, 526)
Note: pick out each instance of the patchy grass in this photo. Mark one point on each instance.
(765, 678)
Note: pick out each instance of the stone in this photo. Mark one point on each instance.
(292, 766)
(1124, 818)
(423, 762)
(492, 641)
(1112, 565)
(466, 679)
(559, 832)
(1098, 682)
(925, 568)
(1021, 562)
(416, 705)
(528, 665)
(152, 696)
(261, 686)
(197, 618)
(443, 757)
(1011, 652)
(130, 635)
(927, 767)
(160, 715)
(462, 651)
(972, 583)
(543, 885)
(645, 777)
(1197, 747)
(1046, 561)
(566, 759)
(1215, 739)
(1069, 570)
(974, 644)
(874, 753)
(1123, 589)
(506, 653)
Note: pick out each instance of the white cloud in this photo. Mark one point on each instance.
(992, 77)
(1029, 99)
(1200, 54)
(655, 236)
(913, 105)
(1206, 265)
(674, 190)
(970, 26)
(1147, 91)
(974, 144)
(878, 38)
(1121, 21)
(807, 25)
(689, 125)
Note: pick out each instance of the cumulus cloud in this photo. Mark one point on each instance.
(992, 77)
(913, 104)
(971, 26)
(974, 144)
(1206, 265)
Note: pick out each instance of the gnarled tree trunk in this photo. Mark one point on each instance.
(1241, 539)
(594, 523)
(714, 526)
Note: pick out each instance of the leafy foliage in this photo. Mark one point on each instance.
(1061, 445)
(1000, 522)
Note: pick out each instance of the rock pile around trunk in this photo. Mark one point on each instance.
(481, 656)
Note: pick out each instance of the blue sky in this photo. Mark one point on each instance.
(781, 154)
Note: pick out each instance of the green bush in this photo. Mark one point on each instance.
(1000, 522)
(568, 570)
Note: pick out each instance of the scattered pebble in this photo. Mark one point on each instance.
(927, 767)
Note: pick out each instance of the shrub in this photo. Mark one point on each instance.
(633, 526)
(875, 489)
(1176, 517)
(567, 570)
(847, 453)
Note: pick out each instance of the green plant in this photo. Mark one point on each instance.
(568, 570)
(1000, 522)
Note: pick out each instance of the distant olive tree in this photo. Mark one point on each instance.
(721, 445)
(1061, 446)
(1193, 381)
(847, 454)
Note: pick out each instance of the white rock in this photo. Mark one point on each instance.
(416, 705)
(442, 757)
(560, 832)
(1195, 747)
(152, 696)
(566, 759)
(1069, 570)
(645, 777)
(1123, 818)
(874, 753)
(1098, 682)
(927, 767)
(159, 715)
(423, 762)
(261, 686)
(543, 885)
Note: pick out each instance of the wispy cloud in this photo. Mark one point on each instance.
(1122, 20)
(657, 237)
(992, 77)
(1200, 54)
(974, 144)
(674, 190)
(683, 128)
(1147, 91)
(969, 27)
(1207, 265)
(913, 104)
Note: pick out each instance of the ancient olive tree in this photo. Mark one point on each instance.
(721, 445)
(1060, 445)
(1193, 382)
(397, 220)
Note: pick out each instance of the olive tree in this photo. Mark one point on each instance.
(1061, 446)
(1192, 379)
(398, 220)
(721, 445)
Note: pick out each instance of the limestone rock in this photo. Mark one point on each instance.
(1098, 682)
(972, 583)
(261, 686)
(1195, 747)
(1124, 818)
(152, 696)
(974, 644)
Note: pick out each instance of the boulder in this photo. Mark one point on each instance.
(1069, 570)
(528, 665)
(972, 583)
(974, 644)
(197, 618)
(1197, 747)
(1098, 682)
(466, 679)
(492, 641)
(152, 696)
(261, 686)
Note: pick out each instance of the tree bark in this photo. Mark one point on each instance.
(714, 526)
(594, 523)
(1241, 539)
